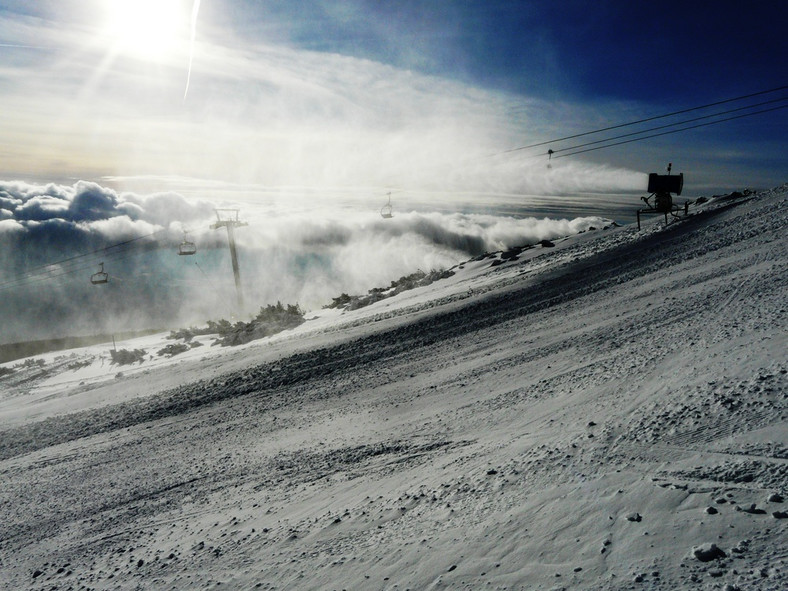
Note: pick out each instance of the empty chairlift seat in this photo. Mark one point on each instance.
(100, 276)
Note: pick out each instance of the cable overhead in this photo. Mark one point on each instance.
(98, 250)
(615, 137)
(671, 131)
(577, 135)
(83, 267)
(73, 264)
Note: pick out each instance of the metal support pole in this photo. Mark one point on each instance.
(236, 270)
(231, 221)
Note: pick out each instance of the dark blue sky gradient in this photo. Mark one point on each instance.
(663, 52)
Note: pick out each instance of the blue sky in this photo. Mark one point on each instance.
(570, 49)
(374, 94)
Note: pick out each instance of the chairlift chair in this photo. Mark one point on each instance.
(187, 248)
(100, 276)
(386, 210)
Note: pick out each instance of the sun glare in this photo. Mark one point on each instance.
(146, 29)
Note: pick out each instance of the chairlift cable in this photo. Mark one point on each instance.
(569, 137)
(27, 279)
(103, 249)
(69, 265)
(551, 152)
(669, 132)
(204, 273)
(72, 267)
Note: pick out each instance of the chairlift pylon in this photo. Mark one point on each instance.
(100, 276)
(386, 210)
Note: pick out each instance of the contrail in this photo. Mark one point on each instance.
(195, 10)
(23, 46)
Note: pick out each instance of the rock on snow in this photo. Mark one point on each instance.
(562, 419)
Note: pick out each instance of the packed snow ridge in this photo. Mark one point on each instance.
(606, 413)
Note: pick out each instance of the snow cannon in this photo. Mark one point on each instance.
(660, 200)
(665, 183)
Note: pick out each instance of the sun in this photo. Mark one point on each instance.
(150, 30)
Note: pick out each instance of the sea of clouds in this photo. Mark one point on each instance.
(306, 251)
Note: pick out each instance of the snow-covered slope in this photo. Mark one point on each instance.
(608, 413)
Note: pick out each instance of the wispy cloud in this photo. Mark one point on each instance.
(272, 115)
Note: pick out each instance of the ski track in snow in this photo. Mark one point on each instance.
(592, 416)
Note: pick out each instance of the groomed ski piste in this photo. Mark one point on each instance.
(605, 413)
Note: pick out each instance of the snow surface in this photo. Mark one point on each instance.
(608, 413)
